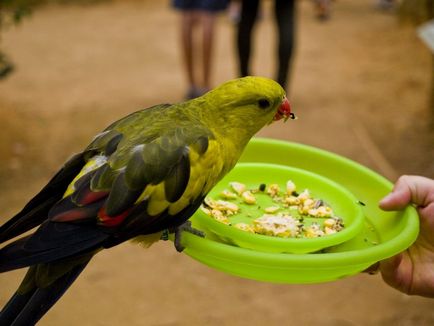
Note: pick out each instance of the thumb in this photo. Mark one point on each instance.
(409, 189)
(399, 197)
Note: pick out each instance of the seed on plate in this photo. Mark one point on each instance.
(248, 197)
(304, 195)
(329, 231)
(309, 203)
(205, 210)
(218, 216)
(274, 222)
(324, 211)
(292, 200)
(227, 194)
(222, 205)
(245, 227)
(227, 206)
(330, 223)
(273, 190)
(318, 203)
(313, 231)
(290, 187)
(238, 187)
(271, 209)
(283, 226)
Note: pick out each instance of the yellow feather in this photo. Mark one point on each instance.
(147, 240)
(91, 165)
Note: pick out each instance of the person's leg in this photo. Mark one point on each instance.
(249, 11)
(322, 8)
(285, 18)
(208, 23)
(188, 22)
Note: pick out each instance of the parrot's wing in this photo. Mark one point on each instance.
(35, 212)
(107, 202)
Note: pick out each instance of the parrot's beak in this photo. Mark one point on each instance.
(284, 111)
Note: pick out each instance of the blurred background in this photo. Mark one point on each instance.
(361, 86)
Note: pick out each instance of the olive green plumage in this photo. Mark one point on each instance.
(145, 173)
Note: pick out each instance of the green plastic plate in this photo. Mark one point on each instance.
(343, 203)
(384, 234)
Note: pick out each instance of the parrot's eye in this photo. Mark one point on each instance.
(263, 103)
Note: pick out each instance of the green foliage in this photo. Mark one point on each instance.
(13, 11)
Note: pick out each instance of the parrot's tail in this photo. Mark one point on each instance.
(27, 307)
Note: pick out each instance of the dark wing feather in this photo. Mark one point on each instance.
(178, 178)
(106, 142)
(121, 197)
(35, 212)
(51, 242)
(139, 222)
(103, 178)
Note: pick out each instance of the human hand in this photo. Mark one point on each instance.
(412, 271)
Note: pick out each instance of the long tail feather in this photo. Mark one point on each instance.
(13, 308)
(51, 242)
(26, 309)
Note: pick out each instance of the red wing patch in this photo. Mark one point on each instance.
(111, 221)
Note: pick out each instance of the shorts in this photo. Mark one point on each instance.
(205, 5)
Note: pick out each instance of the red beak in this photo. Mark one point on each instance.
(284, 111)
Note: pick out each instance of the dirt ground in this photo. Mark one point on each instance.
(360, 88)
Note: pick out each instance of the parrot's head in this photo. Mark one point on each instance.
(245, 105)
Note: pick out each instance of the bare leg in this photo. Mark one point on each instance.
(188, 22)
(322, 9)
(208, 23)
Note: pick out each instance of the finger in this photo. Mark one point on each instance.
(399, 197)
(409, 189)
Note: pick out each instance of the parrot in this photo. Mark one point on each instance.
(142, 177)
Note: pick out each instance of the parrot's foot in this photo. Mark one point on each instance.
(188, 228)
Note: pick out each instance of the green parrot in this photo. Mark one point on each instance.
(144, 175)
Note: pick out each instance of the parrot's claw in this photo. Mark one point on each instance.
(165, 235)
(178, 234)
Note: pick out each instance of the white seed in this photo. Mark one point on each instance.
(290, 187)
(248, 197)
(227, 194)
(304, 195)
(271, 209)
(330, 223)
(238, 187)
(329, 231)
